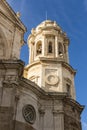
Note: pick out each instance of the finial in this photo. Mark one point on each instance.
(18, 14)
(55, 23)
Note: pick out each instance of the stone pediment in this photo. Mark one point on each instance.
(8, 13)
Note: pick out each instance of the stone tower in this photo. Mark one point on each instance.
(49, 61)
(49, 68)
(45, 98)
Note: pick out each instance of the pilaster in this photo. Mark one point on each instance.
(12, 72)
(58, 120)
(56, 46)
(41, 114)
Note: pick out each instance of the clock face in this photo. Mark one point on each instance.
(29, 113)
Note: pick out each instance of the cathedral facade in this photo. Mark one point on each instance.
(40, 96)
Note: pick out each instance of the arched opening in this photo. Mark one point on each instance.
(68, 89)
(50, 50)
(60, 49)
(39, 48)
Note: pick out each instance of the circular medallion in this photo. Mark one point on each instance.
(52, 79)
(29, 113)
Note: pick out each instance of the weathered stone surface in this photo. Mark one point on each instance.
(52, 93)
(49, 61)
(23, 126)
(11, 32)
(6, 118)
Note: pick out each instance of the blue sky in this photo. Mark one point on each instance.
(71, 15)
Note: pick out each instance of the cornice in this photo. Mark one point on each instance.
(18, 21)
(6, 17)
(74, 103)
(49, 27)
(60, 61)
(42, 94)
(52, 60)
(69, 67)
(32, 64)
(12, 64)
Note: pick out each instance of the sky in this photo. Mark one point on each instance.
(71, 15)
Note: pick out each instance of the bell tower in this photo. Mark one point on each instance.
(49, 60)
(50, 42)
(45, 98)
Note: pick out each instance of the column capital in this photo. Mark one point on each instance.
(42, 111)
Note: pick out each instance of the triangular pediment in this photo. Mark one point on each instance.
(7, 11)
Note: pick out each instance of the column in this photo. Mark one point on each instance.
(56, 46)
(67, 55)
(41, 112)
(58, 120)
(43, 46)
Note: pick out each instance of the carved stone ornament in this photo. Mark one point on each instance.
(51, 79)
(29, 113)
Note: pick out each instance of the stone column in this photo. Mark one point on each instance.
(1, 88)
(30, 60)
(43, 46)
(31, 53)
(58, 120)
(7, 106)
(41, 121)
(67, 55)
(56, 46)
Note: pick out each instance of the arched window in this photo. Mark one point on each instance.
(50, 47)
(60, 49)
(39, 48)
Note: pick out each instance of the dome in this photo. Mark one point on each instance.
(48, 24)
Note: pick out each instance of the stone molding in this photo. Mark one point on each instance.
(42, 94)
(18, 21)
(12, 64)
